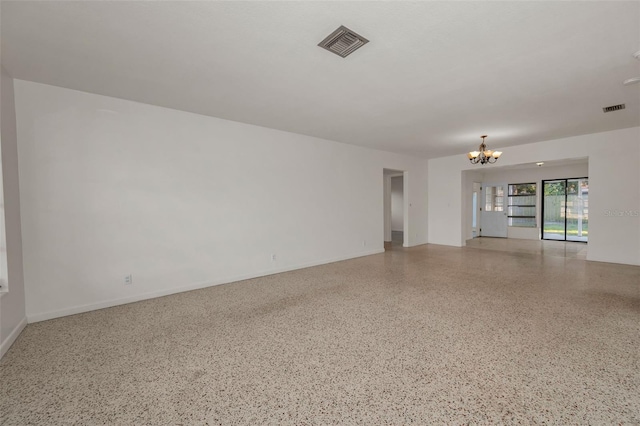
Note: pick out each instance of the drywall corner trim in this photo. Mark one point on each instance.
(4, 347)
(195, 286)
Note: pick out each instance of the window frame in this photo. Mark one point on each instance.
(534, 206)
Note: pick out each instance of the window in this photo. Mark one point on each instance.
(494, 201)
(521, 210)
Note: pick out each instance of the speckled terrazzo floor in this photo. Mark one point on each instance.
(567, 249)
(427, 335)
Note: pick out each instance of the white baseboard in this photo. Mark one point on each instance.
(43, 316)
(616, 260)
(4, 347)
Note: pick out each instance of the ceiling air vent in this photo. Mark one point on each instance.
(343, 42)
(613, 108)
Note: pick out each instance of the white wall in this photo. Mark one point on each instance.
(181, 201)
(397, 203)
(614, 177)
(522, 175)
(12, 304)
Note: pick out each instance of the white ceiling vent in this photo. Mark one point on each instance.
(343, 42)
(613, 108)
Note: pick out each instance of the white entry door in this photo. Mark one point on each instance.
(493, 221)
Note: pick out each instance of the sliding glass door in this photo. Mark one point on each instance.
(565, 207)
(554, 206)
(577, 209)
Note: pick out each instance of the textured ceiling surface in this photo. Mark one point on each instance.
(434, 77)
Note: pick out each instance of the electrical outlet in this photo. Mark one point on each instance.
(273, 257)
(364, 243)
(128, 279)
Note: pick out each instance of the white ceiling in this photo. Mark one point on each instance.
(546, 164)
(434, 77)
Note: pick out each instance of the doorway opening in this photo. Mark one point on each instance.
(565, 209)
(395, 212)
(475, 208)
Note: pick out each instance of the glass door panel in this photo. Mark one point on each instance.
(553, 223)
(577, 210)
(565, 205)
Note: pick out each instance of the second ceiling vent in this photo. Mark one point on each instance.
(613, 108)
(343, 42)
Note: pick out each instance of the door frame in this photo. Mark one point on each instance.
(565, 209)
(387, 175)
(482, 205)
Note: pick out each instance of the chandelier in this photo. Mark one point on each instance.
(484, 155)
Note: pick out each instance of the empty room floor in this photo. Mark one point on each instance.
(397, 241)
(430, 334)
(567, 249)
